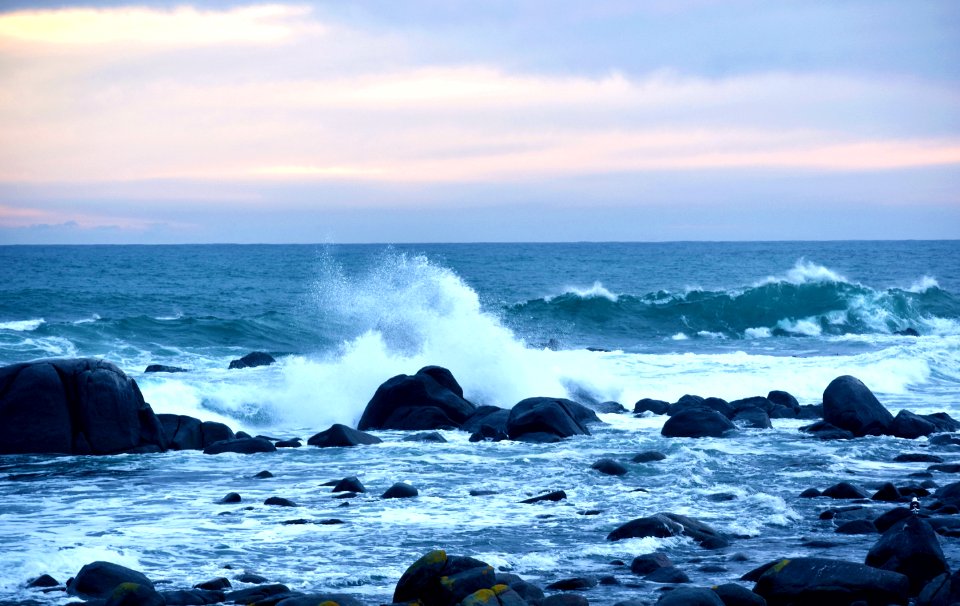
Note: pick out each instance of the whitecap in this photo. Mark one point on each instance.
(808, 327)
(760, 332)
(924, 284)
(805, 272)
(596, 291)
(22, 325)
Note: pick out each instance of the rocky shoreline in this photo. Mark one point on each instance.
(89, 407)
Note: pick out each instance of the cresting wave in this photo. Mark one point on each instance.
(809, 300)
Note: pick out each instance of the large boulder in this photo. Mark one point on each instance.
(663, 525)
(697, 422)
(437, 579)
(828, 582)
(252, 360)
(690, 596)
(188, 433)
(849, 404)
(241, 446)
(548, 419)
(911, 548)
(341, 435)
(490, 416)
(99, 579)
(74, 406)
(430, 399)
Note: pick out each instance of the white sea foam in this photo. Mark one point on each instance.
(805, 272)
(807, 326)
(89, 320)
(597, 291)
(760, 332)
(22, 325)
(706, 334)
(679, 337)
(924, 284)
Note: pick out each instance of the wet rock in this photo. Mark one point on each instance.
(664, 525)
(810, 493)
(279, 502)
(574, 584)
(721, 497)
(338, 599)
(844, 490)
(825, 431)
(241, 446)
(917, 457)
(887, 492)
(667, 574)
(214, 432)
(610, 408)
(759, 402)
(910, 426)
(555, 418)
(134, 594)
(944, 440)
(697, 423)
(657, 407)
(945, 467)
(647, 563)
(857, 527)
(426, 436)
(492, 416)
(230, 497)
(753, 418)
(911, 548)
(732, 594)
(255, 594)
(482, 493)
(293, 443)
(252, 360)
(216, 584)
(492, 433)
(400, 490)
(826, 581)
(162, 368)
(944, 590)
(74, 406)
(949, 494)
(349, 484)
(609, 467)
(44, 580)
(262, 475)
(690, 596)
(565, 599)
(252, 578)
(192, 597)
(649, 456)
(98, 579)
(849, 404)
(340, 435)
(430, 399)
(440, 580)
(557, 495)
(784, 399)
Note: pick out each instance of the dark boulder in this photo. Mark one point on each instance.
(193, 597)
(331, 599)
(609, 407)
(400, 490)
(341, 435)
(98, 579)
(828, 582)
(648, 456)
(849, 404)
(887, 492)
(647, 563)
(556, 495)
(74, 406)
(911, 548)
(663, 525)
(572, 584)
(944, 590)
(487, 416)
(668, 574)
(760, 402)
(752, 417)
(609, 467)
(810, 493)
(214, 432)
(253, 359)
(690, 596)
(349, 484)
(255, 594)
(182, 432)
(162, 368)
(942, 422)
(440, 580)
(825, 431)
(686, 401)
(697, 422)
(737, 595)
(279, 502)
(556, 417)
(242, 446)
(214, 584)
(917, 457)
(44, 580)
(857, 527)
(657, 407)
(949, 494)
(910, 426)
(430, 399)
(785, 400)
(426, 436)
(844, 490)
(133, 594)
(230, 497)
(263, 475)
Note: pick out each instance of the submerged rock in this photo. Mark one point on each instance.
(74, 406)
(349, 484)
(849, 404)
(98, 579)
(540, 419)
(241, 446)
(341, 435)
(828, 582)
(556, 495)
(430, 399)
(697, 422)
(664, 525)
(252, 360)
(162, 368)
(400, 490)
(657, 407)
(609, 467)
(690, 596)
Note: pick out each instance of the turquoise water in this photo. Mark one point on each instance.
(594, 322)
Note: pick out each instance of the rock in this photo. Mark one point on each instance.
(943, 440)
(942, 422)
(667, 574)
(690, 596)
(253, 359)
(664, 525)
(753, 418)
(44, 580)
(188, 433)
(98, 579)
(430, 399)
(857, 527)
(732, 594)
(647, 563)
(134, 594)
(649, 456)
(907, 332)
(610, 408)
(554, 417)
(426, 436)
(849, 404)
(657, 407)
(214, 432)
(565, 599)
(887, 492)
(192, 597)
(341, 435)
(760, 402)
(162, 368)
(910, 426)
(810, 493)
(811, 411)
(491, 432)
(230, 497)
(944, 590)
(255, 594)
(825, 431)
(686, 401)
(844, 490)
(493, 416)
(241, 446)
(292, 443)
(609, 467)
(262, 475)
(331, 599)
(74, 406)
(697, 423)
(280, 502)
(349, 484)
(216, 584)
(785, 400)
(949, 494)
(440, 580)
(400, 490)
(911, 548)
(574, 584)
(917, 457)
(824, 581)
(252, 578)
(945, 467)
(557, 495)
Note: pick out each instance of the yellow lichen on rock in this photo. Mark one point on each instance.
(482, 597)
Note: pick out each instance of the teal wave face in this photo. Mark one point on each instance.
(773, 309)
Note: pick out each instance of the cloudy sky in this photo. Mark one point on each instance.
(442, 121)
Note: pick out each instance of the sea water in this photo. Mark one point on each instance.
(592, 322)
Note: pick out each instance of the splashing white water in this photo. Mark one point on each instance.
(22, 325)
(805, 272)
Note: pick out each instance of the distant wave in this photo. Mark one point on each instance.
(22, 325)
(808, 300)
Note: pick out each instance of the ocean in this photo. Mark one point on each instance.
(594, 322)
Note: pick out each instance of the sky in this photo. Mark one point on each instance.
(443, 121)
